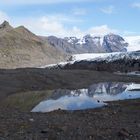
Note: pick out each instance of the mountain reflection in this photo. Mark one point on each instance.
(100, 88)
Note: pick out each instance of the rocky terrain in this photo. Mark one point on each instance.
(89, 44)
(118, 121)
(25, 88)
(22, 89)
(21, 48)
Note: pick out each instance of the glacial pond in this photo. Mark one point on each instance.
(96, 95)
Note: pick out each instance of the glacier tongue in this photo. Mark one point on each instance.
(88, 56)
(98, 57)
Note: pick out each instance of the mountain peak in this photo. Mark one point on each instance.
(113, 43)
(5, 24)
(4, 27)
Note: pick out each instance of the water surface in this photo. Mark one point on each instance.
(92, 97)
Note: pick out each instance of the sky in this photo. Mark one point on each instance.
(73, 17)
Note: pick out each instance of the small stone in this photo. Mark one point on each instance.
(44, 131)
(90, 137)
(124, 133)
(64, 128)
(58, 133)
(1, 138)
(138, 125)
(115, 112)
(31, 120)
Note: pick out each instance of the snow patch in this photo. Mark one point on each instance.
(81, 41)
(133, 86)
(78, 57)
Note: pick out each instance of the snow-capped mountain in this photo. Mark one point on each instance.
(114, 43)
(89, 44)
(67, 45)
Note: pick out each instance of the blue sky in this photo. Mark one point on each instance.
(74, 17)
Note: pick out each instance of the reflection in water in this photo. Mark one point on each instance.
(81, 101)
(92, 97)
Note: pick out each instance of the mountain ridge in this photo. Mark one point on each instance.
(19, 47)
(89, 44)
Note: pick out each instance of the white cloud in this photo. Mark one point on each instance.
(136, 5)
(130, 33)
(101, 30)
(50, 25)
(45, 26)
(16, 2)
(3, 16)
(56, 25)
(79, 11)
(108, 10)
